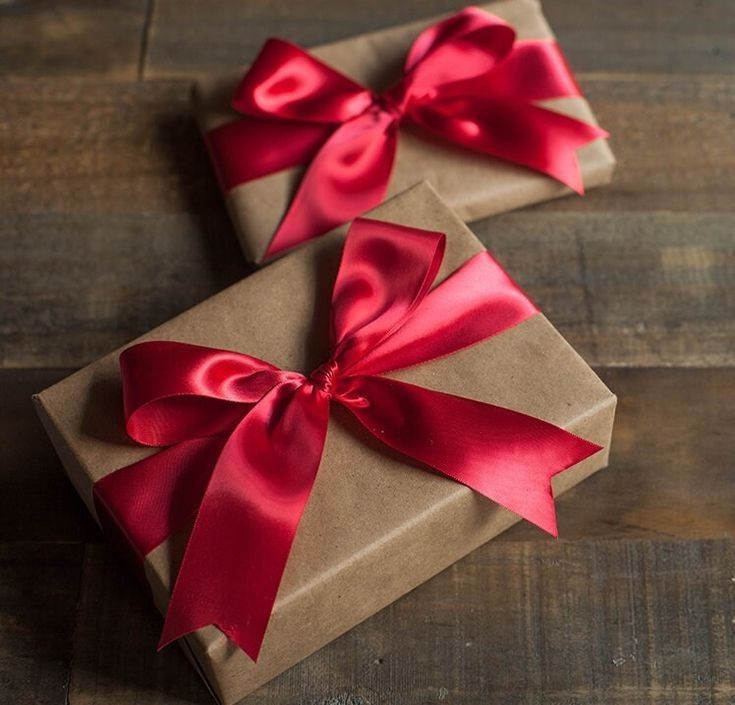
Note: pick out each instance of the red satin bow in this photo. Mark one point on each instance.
(246, 438)
(466, 80)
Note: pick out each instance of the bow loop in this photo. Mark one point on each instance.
(287, 83)
(176, 391)
(463, 26)
(385, 272)
(466, 46)
(476, 302)
(535, 70)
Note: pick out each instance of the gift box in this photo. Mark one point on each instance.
(376, 524)
(474, 184)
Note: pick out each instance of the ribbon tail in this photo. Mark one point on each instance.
(505, 455)
(348, 176)
(517, 132)
(557, 137)
(237, 551)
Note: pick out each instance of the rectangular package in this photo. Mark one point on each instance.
(368, 510)
(473, 184)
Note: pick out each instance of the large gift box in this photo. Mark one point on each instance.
(260, 146)
(377, 523)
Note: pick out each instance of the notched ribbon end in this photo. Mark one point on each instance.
(164, 641)
(545, 516)
(596, 133)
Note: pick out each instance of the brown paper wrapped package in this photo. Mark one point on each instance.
(474, 185)
(375, 526)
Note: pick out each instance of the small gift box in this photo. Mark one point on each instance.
(429, 399)
(481, 104)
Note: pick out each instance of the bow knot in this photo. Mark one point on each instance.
(324, 377)
(395, 100)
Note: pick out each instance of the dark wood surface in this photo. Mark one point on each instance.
(111, 222)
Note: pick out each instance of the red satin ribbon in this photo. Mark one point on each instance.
(466, 80)
(246, 438)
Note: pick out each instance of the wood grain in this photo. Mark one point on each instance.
(39, 585)
(76, 286)
(76, 38)
(629, 289)
(111, 222)
(674, 139)
(133, 147)
(661, 36)
(114, 653)
(611, 622)
(671, 466)
(37, 501)
(664, 36)
(194, 36)
(101, 148)
(636, 289)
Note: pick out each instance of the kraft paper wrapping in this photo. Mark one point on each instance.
(369, 509)
(474, 185)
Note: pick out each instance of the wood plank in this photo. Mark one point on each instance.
(655, 36)
(39, 585)
(194, 36)
(629, 288)
(671, 467)
(674, 139)
(114, 655)
(76, 287)
(81, 38)
(77, 147)
(634, 289)
(634, 622)
(669, 476)
(133, 147)
(107, 191)
(37, 501)
(658, 36)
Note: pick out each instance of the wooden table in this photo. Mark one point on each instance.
(111, 222)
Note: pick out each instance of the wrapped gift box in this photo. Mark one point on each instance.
(369, 509)
(474, 185)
